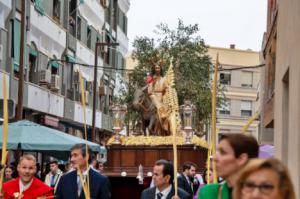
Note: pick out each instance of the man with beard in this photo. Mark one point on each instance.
(186, 178)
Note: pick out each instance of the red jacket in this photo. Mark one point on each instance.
(36, 189)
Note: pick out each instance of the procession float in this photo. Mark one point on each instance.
(167, 134)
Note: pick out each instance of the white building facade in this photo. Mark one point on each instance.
(60, 39)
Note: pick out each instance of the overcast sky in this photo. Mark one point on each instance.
(221, 22)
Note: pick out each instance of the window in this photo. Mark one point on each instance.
(16, 27)
(78, 28)
(56, 10)
(54, 66)
(72, 17)
(225, 108)
(247, 79)
(89, 37)
(246, 108)
(33, 53)
(225, 78)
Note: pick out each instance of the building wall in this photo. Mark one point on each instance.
(287, 93)
(235, 93)
(52, 37)
(267, 89)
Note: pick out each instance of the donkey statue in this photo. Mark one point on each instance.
(144, 105)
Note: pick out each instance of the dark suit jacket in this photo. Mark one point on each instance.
(67, 186)
(184, 184)
(150, 193)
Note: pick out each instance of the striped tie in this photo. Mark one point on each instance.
(159, 195)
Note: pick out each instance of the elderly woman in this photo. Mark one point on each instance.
(264, 179)
(233, 153)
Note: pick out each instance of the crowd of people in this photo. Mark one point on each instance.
(29, 185)
(241, 175)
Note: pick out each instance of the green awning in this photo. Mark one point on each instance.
(71, 59)
(38, 5)
(55, 64)
(33, 52)
(30, 136)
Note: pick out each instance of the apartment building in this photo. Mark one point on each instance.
(267, 89)
(60, 38)
(240, 88)
(286, 45)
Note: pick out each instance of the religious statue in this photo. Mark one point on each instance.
(157, 87)
(156, 101)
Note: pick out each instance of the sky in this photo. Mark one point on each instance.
(221, 22)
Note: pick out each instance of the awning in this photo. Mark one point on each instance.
(33, 52)
(30, 136)
(55, 64)
(38, 5)
(71, 59)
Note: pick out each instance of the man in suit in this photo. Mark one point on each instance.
(53, 177)
(186, 178)
(163, 176)
(70, 184)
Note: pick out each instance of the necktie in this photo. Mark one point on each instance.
(159, 195)
(52, 183)
(79, 188)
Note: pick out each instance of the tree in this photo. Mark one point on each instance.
(192, 66)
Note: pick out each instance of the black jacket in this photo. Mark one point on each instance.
(67, 186)
(150, 193)
(185, 185)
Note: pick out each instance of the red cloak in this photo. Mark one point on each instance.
(36, 189)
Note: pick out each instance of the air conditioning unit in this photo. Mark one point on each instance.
(55, 82)
(103, 90)
(45, 76)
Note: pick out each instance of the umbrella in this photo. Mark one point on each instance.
(266, 151)
(30, 136)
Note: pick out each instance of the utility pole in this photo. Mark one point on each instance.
(21, 66)
(101, 44)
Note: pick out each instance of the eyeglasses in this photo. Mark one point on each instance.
(264, 188)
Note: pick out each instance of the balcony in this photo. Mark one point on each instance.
(39, 99)
(49, 37)
(124, 5)
(123, 40)
(87, 56)
(74, 111)
(93, 12)
(106, 122)
(5, 8)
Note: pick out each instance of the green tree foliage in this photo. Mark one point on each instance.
(192, 66)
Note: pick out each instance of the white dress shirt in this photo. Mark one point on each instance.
(165, 192)
(24, 187)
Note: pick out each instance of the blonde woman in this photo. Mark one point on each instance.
(264, 179)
